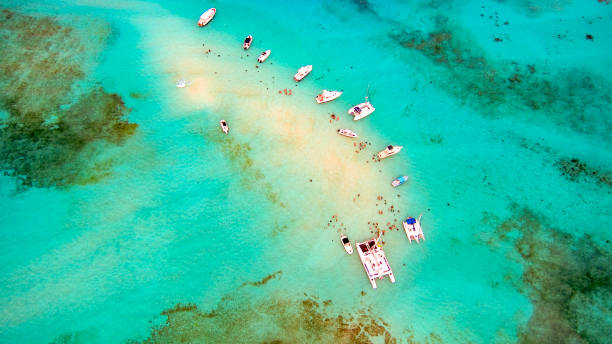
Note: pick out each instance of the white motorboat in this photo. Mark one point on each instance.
(182, 83)
(207, 16)
(346, 243)
(399, 181)
(346, 132)
(247, 42)
(360, 111)
(224, 126)
(390, 150)
(264, 56)
(302, 72)
(327, 96)
(374, 261)
(413, 229)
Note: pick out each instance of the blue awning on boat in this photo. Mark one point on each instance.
(411, 221)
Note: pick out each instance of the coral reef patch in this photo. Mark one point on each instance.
(275, 320)
(567, 279)
(572, 98)
(53, 120)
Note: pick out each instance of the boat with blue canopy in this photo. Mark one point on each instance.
(399, 181)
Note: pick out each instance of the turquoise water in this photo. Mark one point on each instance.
(517, 232)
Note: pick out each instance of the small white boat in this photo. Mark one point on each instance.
(360, 111)
(399, 181)
(302, 72)
(182, 83)
(247, 42)
(390, 150)
(264, 56)
(327, 96)
(207, 16)
(346, 243)
(413, 229)
(224, 126)
(374, 261)
(346, 132)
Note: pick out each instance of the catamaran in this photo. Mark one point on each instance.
(224, 126)
(247, 42)
(374, 261)
(207, 16)
(346, 243)
(327, 96)
(264, 56)
(302, 72)
(413, 229)
(390, 150)
(399, 181)
(361, 110)
(346, 132)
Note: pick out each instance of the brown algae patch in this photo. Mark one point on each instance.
(274, 320)
(574, 170)
(264, 280)
(567, 279)
(572, 98)
(46, 138)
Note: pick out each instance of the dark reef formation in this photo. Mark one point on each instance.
(239, 155)
(46, 139)
(570, 98)
(575, 169)
(275, 320)
(567, 279)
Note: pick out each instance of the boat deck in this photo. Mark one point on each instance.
(374, 261)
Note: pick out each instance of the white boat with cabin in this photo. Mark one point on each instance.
(264, 56)
(390, 150)
(346, 243)
(374, 261)
(302, 72)
(207, 16)
(247, 42)
(413, 229)
(327, 96)
(361, 110)
(346, 132)
(224, 126)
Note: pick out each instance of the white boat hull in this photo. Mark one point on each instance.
(348, 247)
(361, 110)
(374, 261)
(247, 42)
(224, 126)
(207, 16)
(327, 96)
(264, 56)
(302, 72)
(346, 132)
(389, 152)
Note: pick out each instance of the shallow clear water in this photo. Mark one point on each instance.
(185, 214)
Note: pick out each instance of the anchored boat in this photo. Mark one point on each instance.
(361, 110)
(224, 126)
(346, 132)
(264, 56)
(247, 42)
(399, 181)
(347, 244)
(413, 229)
(327, 96)
(390, 150)
(302, 72)
(374, 261)
(182, 83)
(207, 16)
